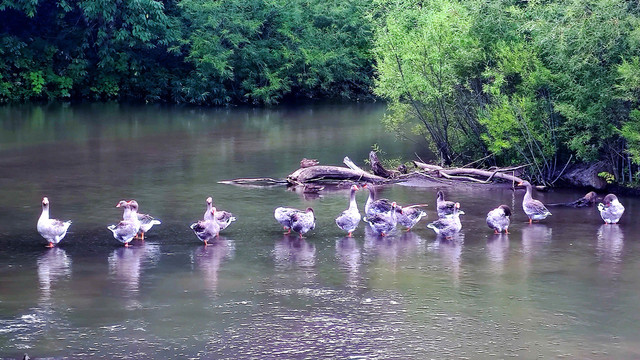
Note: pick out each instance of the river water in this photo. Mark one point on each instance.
(568, 287)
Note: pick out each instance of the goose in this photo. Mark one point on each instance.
(302, 222)
(449, 225)
(208, 228)
(373, 206)
(411, 215)
(283, 216)
(498, 219)
(611, 209)
(443, 207)
(350, 218)
(126, 230)
(223, 218)
(534, 209)
(384, 223)
(146, 221)
(52, 230)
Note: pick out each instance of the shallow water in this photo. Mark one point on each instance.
(565, 288)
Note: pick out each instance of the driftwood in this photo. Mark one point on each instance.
(378, 169)
(590, 199)
(255, 182)
(332, 173)
(470, 174)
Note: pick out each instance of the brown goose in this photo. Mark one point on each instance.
(411, 215)
(534, 209)
(303, 222)
(449, 225)
(375, 206)
(384, 223)
(443, 207)
(207, 229)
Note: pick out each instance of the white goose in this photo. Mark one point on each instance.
(223, 218)
(146, 221)
(611, 209)
(498, 219)
(350, 218)
(126, 230)
(52, 230)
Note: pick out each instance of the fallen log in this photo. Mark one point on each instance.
(590, 199)
(257, 182)
(469, 174)
(332, 173)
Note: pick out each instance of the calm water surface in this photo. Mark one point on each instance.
(568, 287)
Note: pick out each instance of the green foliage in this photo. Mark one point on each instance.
(204, 52)
(608, 177)
(260, 51)
(422, 51)
(538, 82)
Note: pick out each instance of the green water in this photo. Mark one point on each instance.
(567, 287)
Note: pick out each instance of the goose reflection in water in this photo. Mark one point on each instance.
(497, 251)
(53, 265)
(292, 250)
(392, 248)
(450, 251)
(609, 248)
(535, 242)
(535, 239)
(348, 254)
(208, 260)
(125, 265)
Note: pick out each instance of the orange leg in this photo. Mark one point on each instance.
(349, 234)
(142, 235)
(530, 221)
(50, 245)
(495, 231)
(506, 231)
(288, 231)
(126, 244)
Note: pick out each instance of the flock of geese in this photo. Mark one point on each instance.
(382, 216)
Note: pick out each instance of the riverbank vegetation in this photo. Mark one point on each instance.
(544, 83)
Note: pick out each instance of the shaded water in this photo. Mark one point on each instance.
(567, 287)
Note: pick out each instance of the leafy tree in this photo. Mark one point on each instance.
(261, 51)
(425, 52)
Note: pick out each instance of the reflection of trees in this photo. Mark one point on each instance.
(208, 260)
